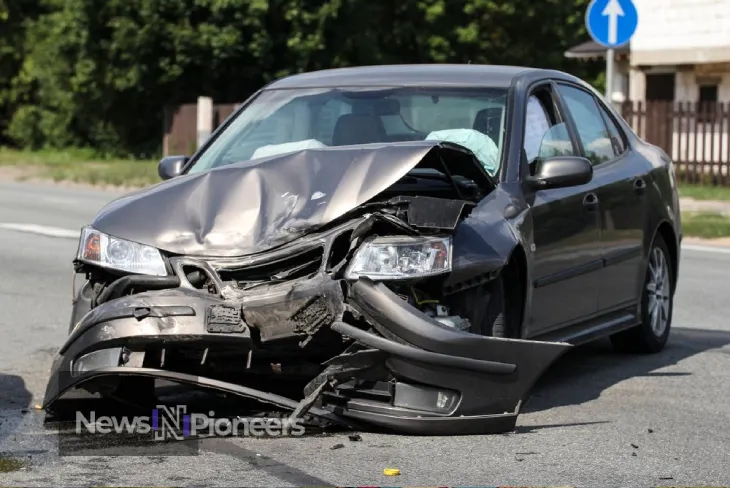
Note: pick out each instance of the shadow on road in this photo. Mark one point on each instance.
(583, 373)
(14, 401)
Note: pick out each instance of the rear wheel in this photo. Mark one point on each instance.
(657, 303)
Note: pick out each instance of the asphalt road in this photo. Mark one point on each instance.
(578, 428)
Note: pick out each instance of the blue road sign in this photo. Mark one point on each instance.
(611, 23)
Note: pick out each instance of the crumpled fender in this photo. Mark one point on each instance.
(485, 240)
(492, 375)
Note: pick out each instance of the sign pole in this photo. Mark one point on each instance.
(610, 57)
(611, 24)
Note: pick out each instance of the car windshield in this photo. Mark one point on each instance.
(285, 120)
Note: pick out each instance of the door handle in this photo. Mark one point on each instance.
(590, 201)
(639, 185)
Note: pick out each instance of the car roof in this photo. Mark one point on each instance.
(473, 75)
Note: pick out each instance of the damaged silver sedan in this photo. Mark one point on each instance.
(405, 248)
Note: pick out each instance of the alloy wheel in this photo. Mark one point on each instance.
(658, 290)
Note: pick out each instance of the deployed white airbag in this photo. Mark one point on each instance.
(483, 147)
(287, 147)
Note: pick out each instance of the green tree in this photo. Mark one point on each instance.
(15, 18)
(97, 73)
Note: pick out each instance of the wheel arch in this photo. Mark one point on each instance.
(516, 285)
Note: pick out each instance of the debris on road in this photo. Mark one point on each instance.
(651, 431)
(391, 472)
(354, 437)
(337, 446)
(635, 446)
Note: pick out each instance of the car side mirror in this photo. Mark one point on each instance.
(562, 172)
(171, 166)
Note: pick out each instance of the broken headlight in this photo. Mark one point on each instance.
(111, 252)
(393, 258)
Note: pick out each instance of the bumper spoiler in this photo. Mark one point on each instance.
(438, 380)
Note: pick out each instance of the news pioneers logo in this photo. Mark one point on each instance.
(168, 426)
(174, 423)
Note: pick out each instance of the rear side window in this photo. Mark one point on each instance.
(619, 146)
(590, 124)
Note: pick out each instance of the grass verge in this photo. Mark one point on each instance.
(705, 192)
(78, 166)
(705, 225)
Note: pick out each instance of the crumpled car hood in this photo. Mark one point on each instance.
(253, 206)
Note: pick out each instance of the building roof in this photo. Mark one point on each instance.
(407, 74)
(592, 50)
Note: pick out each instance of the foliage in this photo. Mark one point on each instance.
(95, 73)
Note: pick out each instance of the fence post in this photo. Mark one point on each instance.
(205, 119)
(166, 123)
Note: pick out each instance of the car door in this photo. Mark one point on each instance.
(621, 185)
(566, 248)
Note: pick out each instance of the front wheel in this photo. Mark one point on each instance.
(657, 302)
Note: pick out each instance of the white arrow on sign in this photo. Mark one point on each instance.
(613, 10)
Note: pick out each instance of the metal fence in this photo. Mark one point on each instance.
(180, 131)
(695, 135)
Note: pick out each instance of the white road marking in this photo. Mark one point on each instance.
(44, 230)
(717, 250)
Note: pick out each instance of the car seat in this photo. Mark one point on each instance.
(353, 129)
(488, 121)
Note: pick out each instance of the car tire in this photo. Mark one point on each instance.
(493, 318)
(495, 322)
(657, 304)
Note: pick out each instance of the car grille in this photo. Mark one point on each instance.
(290, 267)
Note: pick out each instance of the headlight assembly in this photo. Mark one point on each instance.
(393, 258)
(111, 252)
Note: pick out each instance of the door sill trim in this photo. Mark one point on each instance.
(590, 330)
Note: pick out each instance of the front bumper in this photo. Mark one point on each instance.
(415, 375)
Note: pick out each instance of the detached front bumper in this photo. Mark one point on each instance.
(415, 375)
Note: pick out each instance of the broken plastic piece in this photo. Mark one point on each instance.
(391, 472)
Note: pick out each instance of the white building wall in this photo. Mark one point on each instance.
(681, 32)
(723, 90)
(685, 87)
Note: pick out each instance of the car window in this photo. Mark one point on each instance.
(556, 142)
(537, 124)
(545, 136)
(589, 122)
(280, 121)
(326, 118)
(616, 138)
